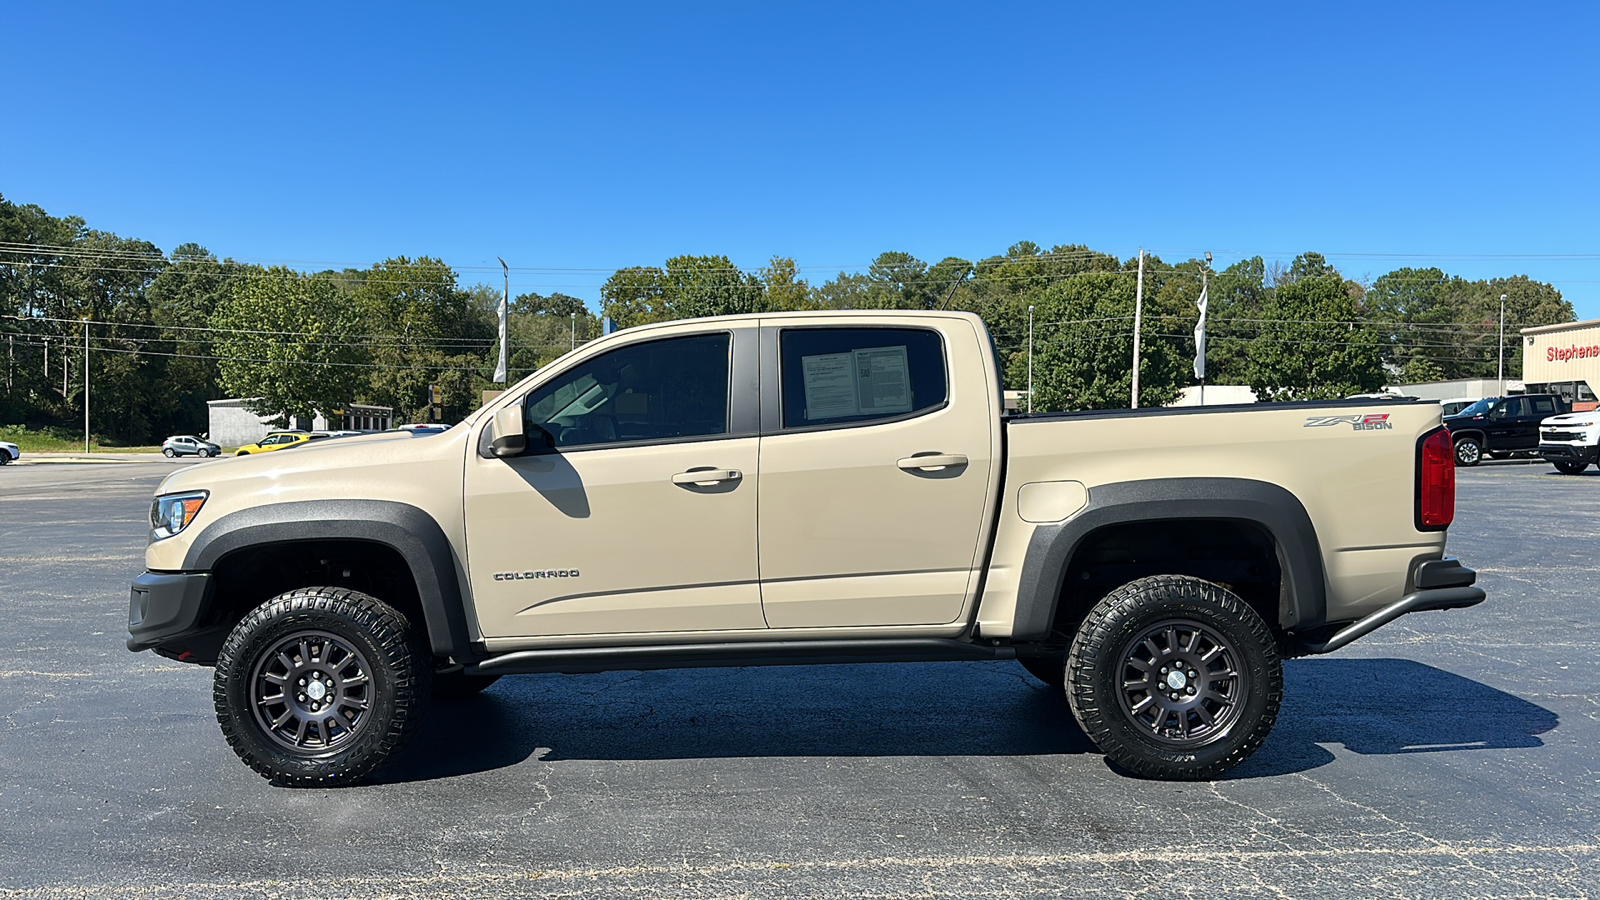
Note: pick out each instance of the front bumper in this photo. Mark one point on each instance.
(166, 606)
(1440, 584)
(1585, 453)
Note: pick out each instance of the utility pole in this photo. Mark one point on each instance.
(1030, 358)
(1138, 320)
(1501, 373)
(86, 385)
(1200, 328)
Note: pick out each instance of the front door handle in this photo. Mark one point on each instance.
(933, 461)
(707, 475)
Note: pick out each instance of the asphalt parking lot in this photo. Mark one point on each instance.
(1449, 755)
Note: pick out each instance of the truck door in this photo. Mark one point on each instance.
(640, 514)
(878, 450)
(1535, 410)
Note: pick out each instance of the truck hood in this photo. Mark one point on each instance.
(320, 462)
(1573, 420)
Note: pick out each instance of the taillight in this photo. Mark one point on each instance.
(1436, 482)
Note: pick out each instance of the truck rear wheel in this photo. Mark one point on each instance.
(1571, 468)
(1174, 678)
(318, 686)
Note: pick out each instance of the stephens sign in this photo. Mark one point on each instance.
(1562, 354)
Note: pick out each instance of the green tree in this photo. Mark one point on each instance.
(634, 296)
(292, 344)
(697, 286)
(1083, 349)
(786, 290)
(1311, 345)
(426, 331)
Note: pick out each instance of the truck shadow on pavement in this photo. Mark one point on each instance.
(1370, 706)
(1389, 706)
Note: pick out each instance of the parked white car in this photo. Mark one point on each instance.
(9, 453)
(188, 445)
(1456, 404)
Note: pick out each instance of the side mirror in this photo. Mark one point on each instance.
(509, 438)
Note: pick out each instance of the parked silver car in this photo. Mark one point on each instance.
(9, 453)
(188, 445)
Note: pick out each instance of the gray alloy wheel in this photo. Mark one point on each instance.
(1174, 677)
(168, 452)
(203, 453)
(318, 686)
(1468, 451)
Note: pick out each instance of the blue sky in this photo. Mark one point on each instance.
(584, 137)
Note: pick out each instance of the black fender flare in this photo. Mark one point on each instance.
(1303, 599)
(407, 530)
(1480, 434)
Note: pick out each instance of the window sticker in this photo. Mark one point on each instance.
(875, 381)
(830, 385)
(882, 382)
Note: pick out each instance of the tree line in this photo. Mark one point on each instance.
(167, 332)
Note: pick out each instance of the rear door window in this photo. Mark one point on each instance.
(846, 376)
(1542, 406)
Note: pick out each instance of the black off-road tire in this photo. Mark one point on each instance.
(1571, 468)
(371, 674)
(454, 687)
(1469, 452)
(1207, 638)
(1052, 670)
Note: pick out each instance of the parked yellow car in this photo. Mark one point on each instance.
(277, 440)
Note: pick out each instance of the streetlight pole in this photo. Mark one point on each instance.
(1138, 320)
(1501, 373)
(1030, 358)
(86, 385)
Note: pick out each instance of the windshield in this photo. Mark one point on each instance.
(1481, 408)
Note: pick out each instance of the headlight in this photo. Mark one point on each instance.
(172, 513)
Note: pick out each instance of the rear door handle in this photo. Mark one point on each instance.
(933, 461)
(707, 475)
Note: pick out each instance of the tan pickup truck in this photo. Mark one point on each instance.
(799, 488)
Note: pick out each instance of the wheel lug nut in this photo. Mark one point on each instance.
(302, 698)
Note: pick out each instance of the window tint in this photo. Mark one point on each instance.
(836, 376)
(674, 388)
(1510, 409)
(1543, 406)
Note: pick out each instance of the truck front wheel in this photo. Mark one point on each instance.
(1468, 452)
(1571, 468)
(316, 687)
(1174, 678)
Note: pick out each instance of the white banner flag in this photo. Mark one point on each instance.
(505, 301)
(1200, 339)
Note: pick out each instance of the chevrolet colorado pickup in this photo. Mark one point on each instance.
(799, 488)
